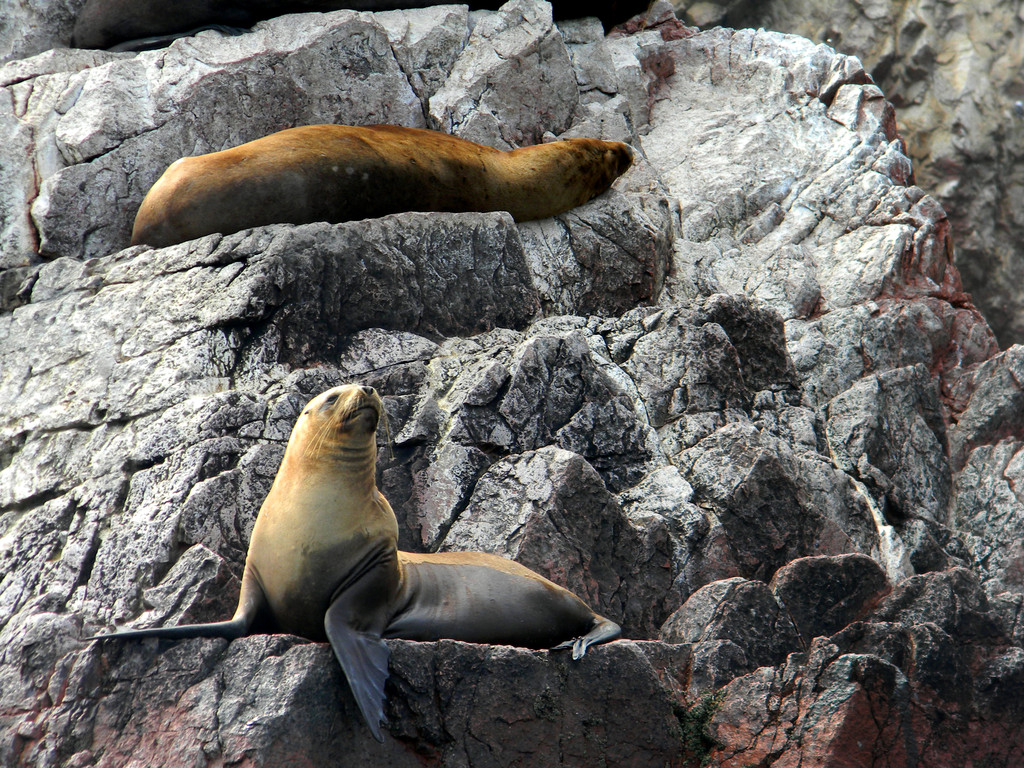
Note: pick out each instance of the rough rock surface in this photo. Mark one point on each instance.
(740, 403)
(28, 28)
(954, 72)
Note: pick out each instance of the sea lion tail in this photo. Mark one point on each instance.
(235, 628)
(603, 631)
(364, 659)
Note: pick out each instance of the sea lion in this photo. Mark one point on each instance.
(323, 563)
(121, 23)
(108, 23)
(341, 173)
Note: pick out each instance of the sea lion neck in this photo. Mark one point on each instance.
(346, 468)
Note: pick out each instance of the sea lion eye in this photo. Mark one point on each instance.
(329, 401)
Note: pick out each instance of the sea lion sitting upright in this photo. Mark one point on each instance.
(341, 173)
(323, 563)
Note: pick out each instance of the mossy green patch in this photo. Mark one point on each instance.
(694, 722)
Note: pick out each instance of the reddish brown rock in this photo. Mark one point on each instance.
(741, 611)
(822, 595)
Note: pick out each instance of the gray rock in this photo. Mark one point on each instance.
(998, 684)
(741, 611)
(505, 393)
(941, 632)
(822, 595)
(888, 432)
(933, 547)
(427, 43)
(560, 391)
(271, 699)
(185, 294)
(952, 600)
(808, 698)
(995, 410)
(715, 664)
(512, 83)
(30, 28)
(1008, 606)
(686, 367)
(604, 257)
(744, 240)
(832, 352)
(826, 700)
(963, 133)
(990, 514)
(660, 507)
(774, 505)
(985, 445)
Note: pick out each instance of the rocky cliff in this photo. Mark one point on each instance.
(955, 71)
(740, 403)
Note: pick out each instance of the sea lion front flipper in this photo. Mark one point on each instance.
(602, 631)
(364, 659)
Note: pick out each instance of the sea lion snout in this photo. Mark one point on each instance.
(365, 416)
(352, 407)
(625, 158)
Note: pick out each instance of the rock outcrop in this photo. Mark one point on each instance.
(953, 70)
(740, 403)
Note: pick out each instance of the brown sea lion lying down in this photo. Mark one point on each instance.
(341, 173)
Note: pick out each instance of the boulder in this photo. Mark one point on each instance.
(954, 76)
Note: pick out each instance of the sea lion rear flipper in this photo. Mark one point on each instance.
(364, 659)
(602, 631)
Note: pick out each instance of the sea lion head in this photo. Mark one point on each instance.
(608, 159)
(593, 166)
(340, 420)
(622, 156)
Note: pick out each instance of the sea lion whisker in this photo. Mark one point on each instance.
(311, 446)
(387, 433)
(320, 437)
(342, 416)
(327, 429)
(336, 417)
